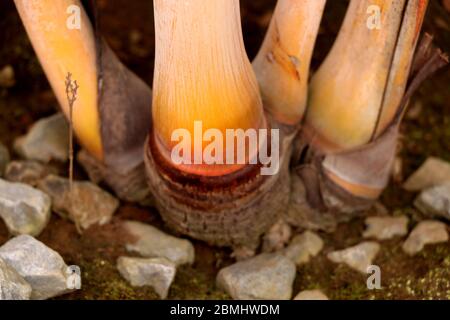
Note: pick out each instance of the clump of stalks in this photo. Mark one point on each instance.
(337, 139)
(112, 115)
(344, 147)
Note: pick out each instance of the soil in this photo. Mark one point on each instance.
(128, 27)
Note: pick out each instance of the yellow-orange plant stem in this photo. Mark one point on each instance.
(202, 74)
(282, 64)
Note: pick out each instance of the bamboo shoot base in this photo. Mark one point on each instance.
(232, 210)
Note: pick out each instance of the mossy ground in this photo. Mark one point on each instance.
(425, 276)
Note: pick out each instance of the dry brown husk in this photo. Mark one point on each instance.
(124, 103)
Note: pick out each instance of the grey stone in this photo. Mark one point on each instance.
(27, 171)
(433, 172)
(151, 242)
(4, 158)
(303, 247)
(384, 228)
(48, 139)
(435, 201)
(24, 209)
(12, 285)
(311, 295)
(426, 232)
(266, 276)
(157, 273)
(277, 237)
(42, 267)
(86, 204)
(358, 257)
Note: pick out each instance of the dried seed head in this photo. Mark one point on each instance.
(62, 50)
(282, 64)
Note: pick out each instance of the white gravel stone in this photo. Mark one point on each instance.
(303, 247)
(48, 139)
(86, 204)
(157, 273)
(25, 210)
(42, 267)
(358, 257)
(435, 201)
(433, 172)
(311, 295)
(426, 232)
(12, 285)
(277, 237)
(384, 228)
(266, 277)
(153, 243)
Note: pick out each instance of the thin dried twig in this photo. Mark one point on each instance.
(71, 94)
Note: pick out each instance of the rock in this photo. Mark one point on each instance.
(266, 277)
(426, 232)
(130, 186)
(433, 172)
(4, 159)
(358, 257)
(151, 243)
(311, 295)
(85, 205)
(435, 201)
(7, 77)
(40, 266)
(48, 139)
(303, 247)
(384, 228)
(12, 285)
(158, 273)
(277, 237)
(27, 171)
(24, 209)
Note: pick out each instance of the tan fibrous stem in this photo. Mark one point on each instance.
(282, 64)
(358, 89)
